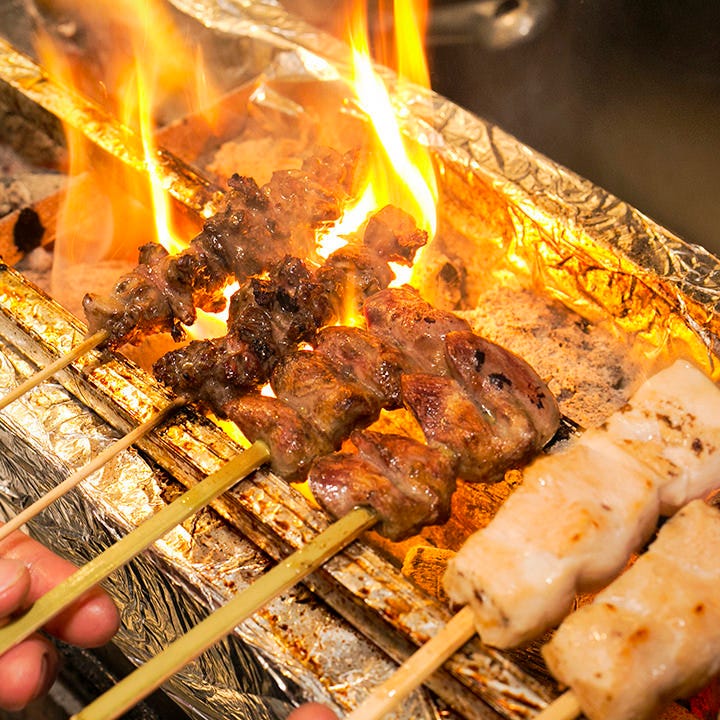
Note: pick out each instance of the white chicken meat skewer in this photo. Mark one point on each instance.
(653, 635)
(581, 513)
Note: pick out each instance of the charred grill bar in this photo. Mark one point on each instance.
(583, 245)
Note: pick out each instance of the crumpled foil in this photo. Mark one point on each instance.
(596, 254)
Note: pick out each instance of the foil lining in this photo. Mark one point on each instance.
(597, 255)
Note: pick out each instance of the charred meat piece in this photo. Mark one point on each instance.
(399, 316)
(255, 229)
(358, 354)
(268, 317)
(360, 269)
(487, 440)
(293, 442)
(408, 483)
(493, 376)
(332, 405)
(392, 235)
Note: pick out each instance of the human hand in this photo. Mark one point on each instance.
(27, 571)
(312, 711)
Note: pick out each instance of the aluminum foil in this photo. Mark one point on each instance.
(552, 230)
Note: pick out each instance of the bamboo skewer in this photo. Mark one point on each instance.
(62, 595)
(140, 683)
(423, 663)
(95, 464)
(417, 668)
(565, 707)
(62, 362)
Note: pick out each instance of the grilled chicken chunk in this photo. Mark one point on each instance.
(293, 443)
(495, 377)
(358, 354)
(652, 635)
(254, 230)
(332, 405)
(400, 317)
(672, 425)
(580, 514)
(408, 483)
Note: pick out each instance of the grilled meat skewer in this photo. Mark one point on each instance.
(605, 491)
(269, 316)
(653, 634)
(256, 228)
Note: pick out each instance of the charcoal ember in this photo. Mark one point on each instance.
(493, 375)
(486, 439)
(358, 354)
(400, 316)
(406, 482)
(309, 383)
(292, 442)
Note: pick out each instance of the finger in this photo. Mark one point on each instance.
(14, 586)
(312, 711)
(90, 621)
(27, 672)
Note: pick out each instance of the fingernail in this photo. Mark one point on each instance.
(11, 571)
(46, 679)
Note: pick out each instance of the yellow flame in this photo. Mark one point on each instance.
(400, 172)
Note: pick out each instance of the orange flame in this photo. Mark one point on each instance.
(139, 74)
(401, 171)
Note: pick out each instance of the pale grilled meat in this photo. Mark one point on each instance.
(256, 228)
(603, 493)
(652, 635)
(408, 483)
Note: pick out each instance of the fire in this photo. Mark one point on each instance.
(142, 68)
(140, 71)
(400, 171)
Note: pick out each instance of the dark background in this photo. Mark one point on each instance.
(625, 93)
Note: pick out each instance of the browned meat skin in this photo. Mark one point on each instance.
(358, 354)
(493, 375)
(408, 483)
(256, 228)
(487, 441)
(399, 316)
(292, 441)
(331, 404)
(268, 317)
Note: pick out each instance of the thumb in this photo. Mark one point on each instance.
(14, 585)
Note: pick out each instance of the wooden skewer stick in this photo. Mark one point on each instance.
(95, 464)
(417, 668)
(93, 572)
(423, 663)
(566, 707)
(140, 683)
(62, 362)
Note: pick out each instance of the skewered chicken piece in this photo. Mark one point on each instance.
(653, 634)
(257, 227)
(579, 514)
(269, 316)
